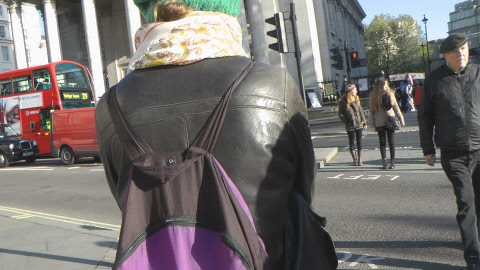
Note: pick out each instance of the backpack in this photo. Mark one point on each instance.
(181, 209)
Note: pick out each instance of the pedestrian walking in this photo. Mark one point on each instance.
(351, 113)
(449, 117)
(385, 118)
(409, 91)
(188, 55)
(418, 96)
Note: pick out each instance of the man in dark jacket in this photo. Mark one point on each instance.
(450, 106)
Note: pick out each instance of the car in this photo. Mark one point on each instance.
(14, 148)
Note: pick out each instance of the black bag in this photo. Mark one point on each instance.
(308, 244)
(393, 122)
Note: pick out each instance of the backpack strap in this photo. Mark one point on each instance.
(134, 145)
(207, 137)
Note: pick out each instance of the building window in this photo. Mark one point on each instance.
(2, 31)
(5, 54)
(1, 11)
(29, 56)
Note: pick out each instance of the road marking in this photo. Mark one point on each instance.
(361, 177)
(27, 213)
(366, 259)
(327, 136)
(23, 216)
(97, 170)
(28, 169)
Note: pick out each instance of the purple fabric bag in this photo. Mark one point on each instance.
(181, 210)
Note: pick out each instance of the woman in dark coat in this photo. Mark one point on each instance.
(188, 55)
(351, 113)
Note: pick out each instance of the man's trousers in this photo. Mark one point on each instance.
(463, 171)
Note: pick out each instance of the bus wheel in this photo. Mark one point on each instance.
(3, 160)
(66, 154)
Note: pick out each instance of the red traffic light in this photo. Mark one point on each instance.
(354, 55)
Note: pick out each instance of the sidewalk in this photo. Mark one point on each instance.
(324, 155)
(33, 240)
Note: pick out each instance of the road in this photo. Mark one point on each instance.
(387, 219)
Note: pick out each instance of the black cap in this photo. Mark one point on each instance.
(452, 42)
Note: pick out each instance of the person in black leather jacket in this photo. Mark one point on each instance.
(265, 144)
(450, 115)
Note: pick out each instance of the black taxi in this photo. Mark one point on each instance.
(13, 148)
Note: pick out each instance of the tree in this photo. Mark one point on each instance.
(393, 45)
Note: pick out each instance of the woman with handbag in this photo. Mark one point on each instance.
(385, 118)
(188, 54)
(351, 113)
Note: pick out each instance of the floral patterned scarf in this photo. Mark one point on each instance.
(198, 36)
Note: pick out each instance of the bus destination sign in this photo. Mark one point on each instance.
(70, 95)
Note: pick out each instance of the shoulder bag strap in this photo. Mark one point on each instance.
(207, 137)
(131, 141)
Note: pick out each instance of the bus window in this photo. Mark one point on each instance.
(74, 86)
(45, 118)
(22, 84)
(5, 87)
(71, 76)
(41, 79)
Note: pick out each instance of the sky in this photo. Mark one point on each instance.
(436, 11)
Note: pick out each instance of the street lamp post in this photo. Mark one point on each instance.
(425, 20)
(423, 56)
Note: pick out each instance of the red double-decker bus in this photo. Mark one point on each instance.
(29, 96)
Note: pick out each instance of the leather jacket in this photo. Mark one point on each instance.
(450, 103)
(265, 145)
(352, 116)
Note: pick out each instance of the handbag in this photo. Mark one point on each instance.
(393, 122)
(308, 244)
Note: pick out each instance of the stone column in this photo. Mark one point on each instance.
(257, 30)
(17, 32)
(308, 34)
(133, 23)
(93, 46)
(51, 31)
(242, 20)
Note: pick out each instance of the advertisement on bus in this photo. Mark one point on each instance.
(12, 106)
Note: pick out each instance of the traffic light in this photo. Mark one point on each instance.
(279, 33)
(337, 57)
(354, 60)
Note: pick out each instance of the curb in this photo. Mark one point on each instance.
(324, 155)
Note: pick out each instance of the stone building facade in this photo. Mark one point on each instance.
(99, 34)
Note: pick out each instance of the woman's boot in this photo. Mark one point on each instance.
(354, 157)
(383, 153)
(392, 164)
(359, 156)
(385, 166)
